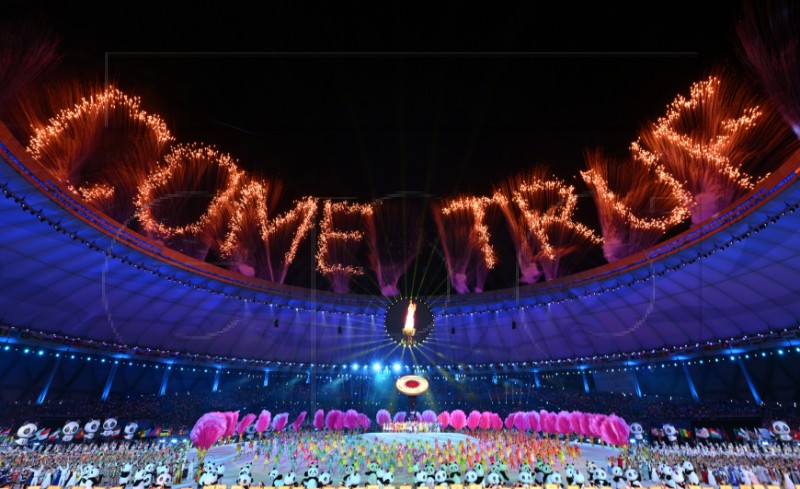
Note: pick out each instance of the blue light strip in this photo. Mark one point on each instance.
(109, 381)
(636, 383)
(43, 394)
(749, 380)
(215, 387)
(585, 381)
(165, 380)
(690, 382)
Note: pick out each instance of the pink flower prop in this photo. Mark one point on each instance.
(615, 430)
(521, 422)
(263, 421)
(208, 430)
(244, 423)
(497, 423)
(351, 419)
(563, 425)
(399, 416)
(319, 420)
(585, 422)
(486, 420)
(364, 422)
(299, 421)
(533, 420)
(382, 417)
(510, 420)
(232, 418)
(443, 419)
(428, 416)
(473, 420)
(458, 420)
(331, 418)
(575, 422)
(279, 423)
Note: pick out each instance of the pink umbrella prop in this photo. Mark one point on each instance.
(319, 420)
(399, 416)
(208, 430)
(364, 422)
(299, 421)
(263, 421)
(497, 423)
(458, 420)
(382, 417)
(443, 419)
(279, 423)
(244, 423)
(428, 416)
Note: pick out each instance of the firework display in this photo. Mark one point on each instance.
(769, 38)
(635, 208)
(187, 201)
(708, 150)
(102, 148)
(394, 232)
(540, 213)
(341, 235)
(709, 145)
(258, 246)
(466, 242)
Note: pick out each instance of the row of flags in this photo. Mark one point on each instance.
(703, 433)
(46, 434)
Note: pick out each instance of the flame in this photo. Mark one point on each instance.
(408, 329)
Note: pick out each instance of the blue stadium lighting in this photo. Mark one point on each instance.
(396, 367)
(780, 352)
(6, 348)
(376, 367)
(355, 366)
(26, 351)
(40, 352)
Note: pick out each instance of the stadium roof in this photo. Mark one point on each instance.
(68, 271)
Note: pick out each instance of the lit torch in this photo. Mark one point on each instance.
(408, 328)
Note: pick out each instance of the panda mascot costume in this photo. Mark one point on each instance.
(633, 478)
(130, 430)
(245, 478)
(90, 429)
(351, 477)
(311, 477)
(90, 476)
(24, 435)
(125, 474)
(69, 430)
(110, 428)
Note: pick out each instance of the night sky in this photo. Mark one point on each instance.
(446, 117)
(346, 100)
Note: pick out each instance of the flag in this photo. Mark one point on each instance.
(657, 432)
(685, 433)
(166, 432)
(5, 432)
(42, 434)
(742, 434)
(55, 435)
(714, 434)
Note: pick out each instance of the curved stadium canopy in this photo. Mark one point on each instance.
(69, 271)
